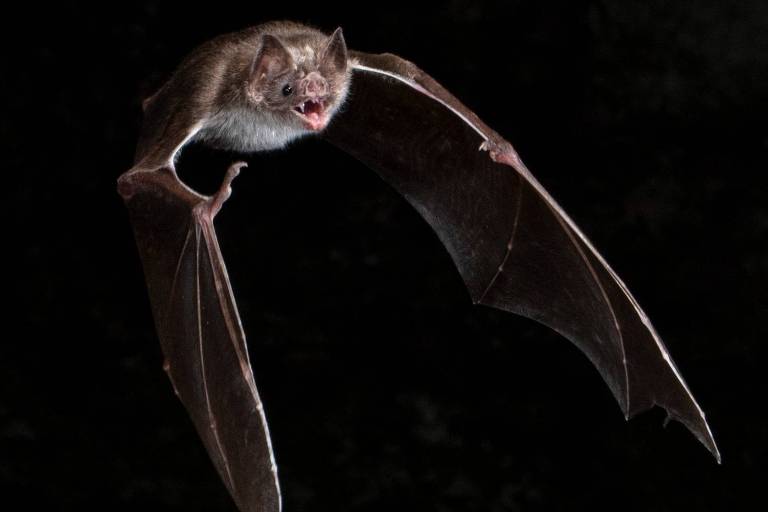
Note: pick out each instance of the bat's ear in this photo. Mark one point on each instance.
(271, 59)
(334, 55)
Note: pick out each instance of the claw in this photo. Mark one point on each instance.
(215, 203)
(502, 152)
(493, 148)
(207, 210)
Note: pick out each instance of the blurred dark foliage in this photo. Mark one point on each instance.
(384, 389)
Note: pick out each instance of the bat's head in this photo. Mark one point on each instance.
(301, 81)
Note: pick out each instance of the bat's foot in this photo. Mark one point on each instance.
(210, 207)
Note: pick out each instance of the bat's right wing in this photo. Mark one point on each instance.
(515, 247)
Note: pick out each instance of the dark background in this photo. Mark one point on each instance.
(384, 388)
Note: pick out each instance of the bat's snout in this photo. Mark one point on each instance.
(314, 85)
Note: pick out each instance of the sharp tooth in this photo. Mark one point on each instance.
(301, 108)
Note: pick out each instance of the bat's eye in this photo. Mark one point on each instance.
(287, 89)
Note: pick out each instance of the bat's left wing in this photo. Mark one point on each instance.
(514, 246)
(206, 356)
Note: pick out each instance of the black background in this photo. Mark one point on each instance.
(384, 388)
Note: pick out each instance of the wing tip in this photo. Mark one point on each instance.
(700, 429)
(708, 440)
(697, 426)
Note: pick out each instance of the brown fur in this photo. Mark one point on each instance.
(215, 96)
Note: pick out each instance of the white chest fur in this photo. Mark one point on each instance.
(248, 131)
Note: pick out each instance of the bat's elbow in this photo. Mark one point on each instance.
(125, 186)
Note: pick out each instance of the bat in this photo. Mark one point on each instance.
(516, 249)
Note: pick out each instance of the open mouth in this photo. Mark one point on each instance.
(312, 113)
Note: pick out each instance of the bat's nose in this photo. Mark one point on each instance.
(314, 85)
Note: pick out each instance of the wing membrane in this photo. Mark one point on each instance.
(200, 331)
(513, 245)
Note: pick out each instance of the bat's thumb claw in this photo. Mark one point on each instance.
(235, 167)
(215, 202)
(226, 186)
(232, 173)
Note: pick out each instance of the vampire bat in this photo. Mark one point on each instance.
(514, 246)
